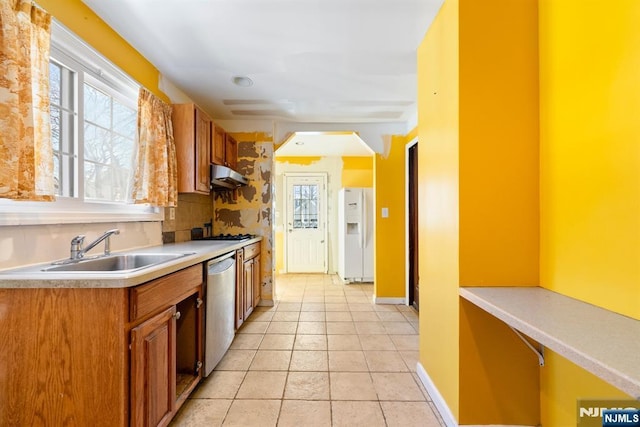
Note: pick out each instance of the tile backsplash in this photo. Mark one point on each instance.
(193, 210)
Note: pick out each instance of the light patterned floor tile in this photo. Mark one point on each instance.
(202, 412)
(310, 342)
(296, 413)
(245, 413)
(343, 342)
(352, 386)
(308, 361)
(277, 342)
(311, 328)
(347, 361)
(350, 414)
(236, 360)
(396, 386)
(219, 385)
(409, 414)
(262, 385)
(307, 386)
(376, 342)
(271, 360)
(385, 361)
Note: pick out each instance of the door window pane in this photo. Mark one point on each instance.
(305, 206)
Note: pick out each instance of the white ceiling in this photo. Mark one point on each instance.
(312, 61)
(332, 144)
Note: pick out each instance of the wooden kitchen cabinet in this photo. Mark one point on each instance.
(217, 145)
(231, 152)
(100, 356)
(239, 288)
(153, 370)
(248, 281)
(247, 297)
(257, 282)
(192, 134)
(224, 148)
(166, 348)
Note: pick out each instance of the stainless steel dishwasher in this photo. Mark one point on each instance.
(220, 309)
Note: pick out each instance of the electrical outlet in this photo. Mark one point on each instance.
(385, 212)
(172, 213)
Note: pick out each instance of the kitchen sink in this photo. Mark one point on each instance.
(116, 263)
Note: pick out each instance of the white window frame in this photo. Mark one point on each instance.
(74, 53)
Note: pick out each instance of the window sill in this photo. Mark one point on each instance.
(69, 212)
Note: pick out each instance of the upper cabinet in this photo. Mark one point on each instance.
(192, 133)
(224, 149)
(217, 145)
(231, 151)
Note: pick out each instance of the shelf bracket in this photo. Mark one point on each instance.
(539, 353)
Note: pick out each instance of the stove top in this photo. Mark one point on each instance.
(234, 237)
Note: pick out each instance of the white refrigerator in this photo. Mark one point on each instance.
(355, 234)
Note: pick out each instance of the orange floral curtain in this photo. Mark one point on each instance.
(156, 178)
(26, 154)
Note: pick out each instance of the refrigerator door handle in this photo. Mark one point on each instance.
(363, 219)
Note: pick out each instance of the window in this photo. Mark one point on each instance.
(305, 206)
(93, 132)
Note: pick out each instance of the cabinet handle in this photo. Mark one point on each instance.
(198, 302)
(177, 315)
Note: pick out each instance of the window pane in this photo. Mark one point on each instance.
(55, 127)
(97, 144)
(305, 206)
(97, 107)
(54, 83)
(56, 175)
(123, 152)
(124, 119)
(97, 181)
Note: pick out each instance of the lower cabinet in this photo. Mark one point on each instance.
(153, 370)
(248, 281)
(101, 356)
(166, 348)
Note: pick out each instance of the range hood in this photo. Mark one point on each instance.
(224, 177)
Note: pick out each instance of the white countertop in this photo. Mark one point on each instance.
(604, 343)
(199, 251)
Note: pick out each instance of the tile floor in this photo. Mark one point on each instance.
(324, 355)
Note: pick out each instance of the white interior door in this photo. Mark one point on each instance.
(306, 223)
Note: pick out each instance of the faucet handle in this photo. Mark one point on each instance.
(76, 246)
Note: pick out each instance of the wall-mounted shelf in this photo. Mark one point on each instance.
(601, 341)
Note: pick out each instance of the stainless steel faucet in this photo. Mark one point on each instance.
(77, 251)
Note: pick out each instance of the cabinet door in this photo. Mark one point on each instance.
(239, 287)
(203, 140)
(257, 281)
(217, 145)
(153, 370)
(231, 152)
(248, 288)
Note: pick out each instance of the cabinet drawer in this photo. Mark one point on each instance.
(251, 250)
(163, 292)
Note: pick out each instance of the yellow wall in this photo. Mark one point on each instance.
(590, 174)
(590, 99)
(76, 16)
(438, 195)
(357, 171)
(389, 274)
(479, 223)
(498, 143)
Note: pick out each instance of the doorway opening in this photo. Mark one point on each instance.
(412, 254)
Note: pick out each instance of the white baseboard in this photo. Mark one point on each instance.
(436, 397)
(377, 300)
